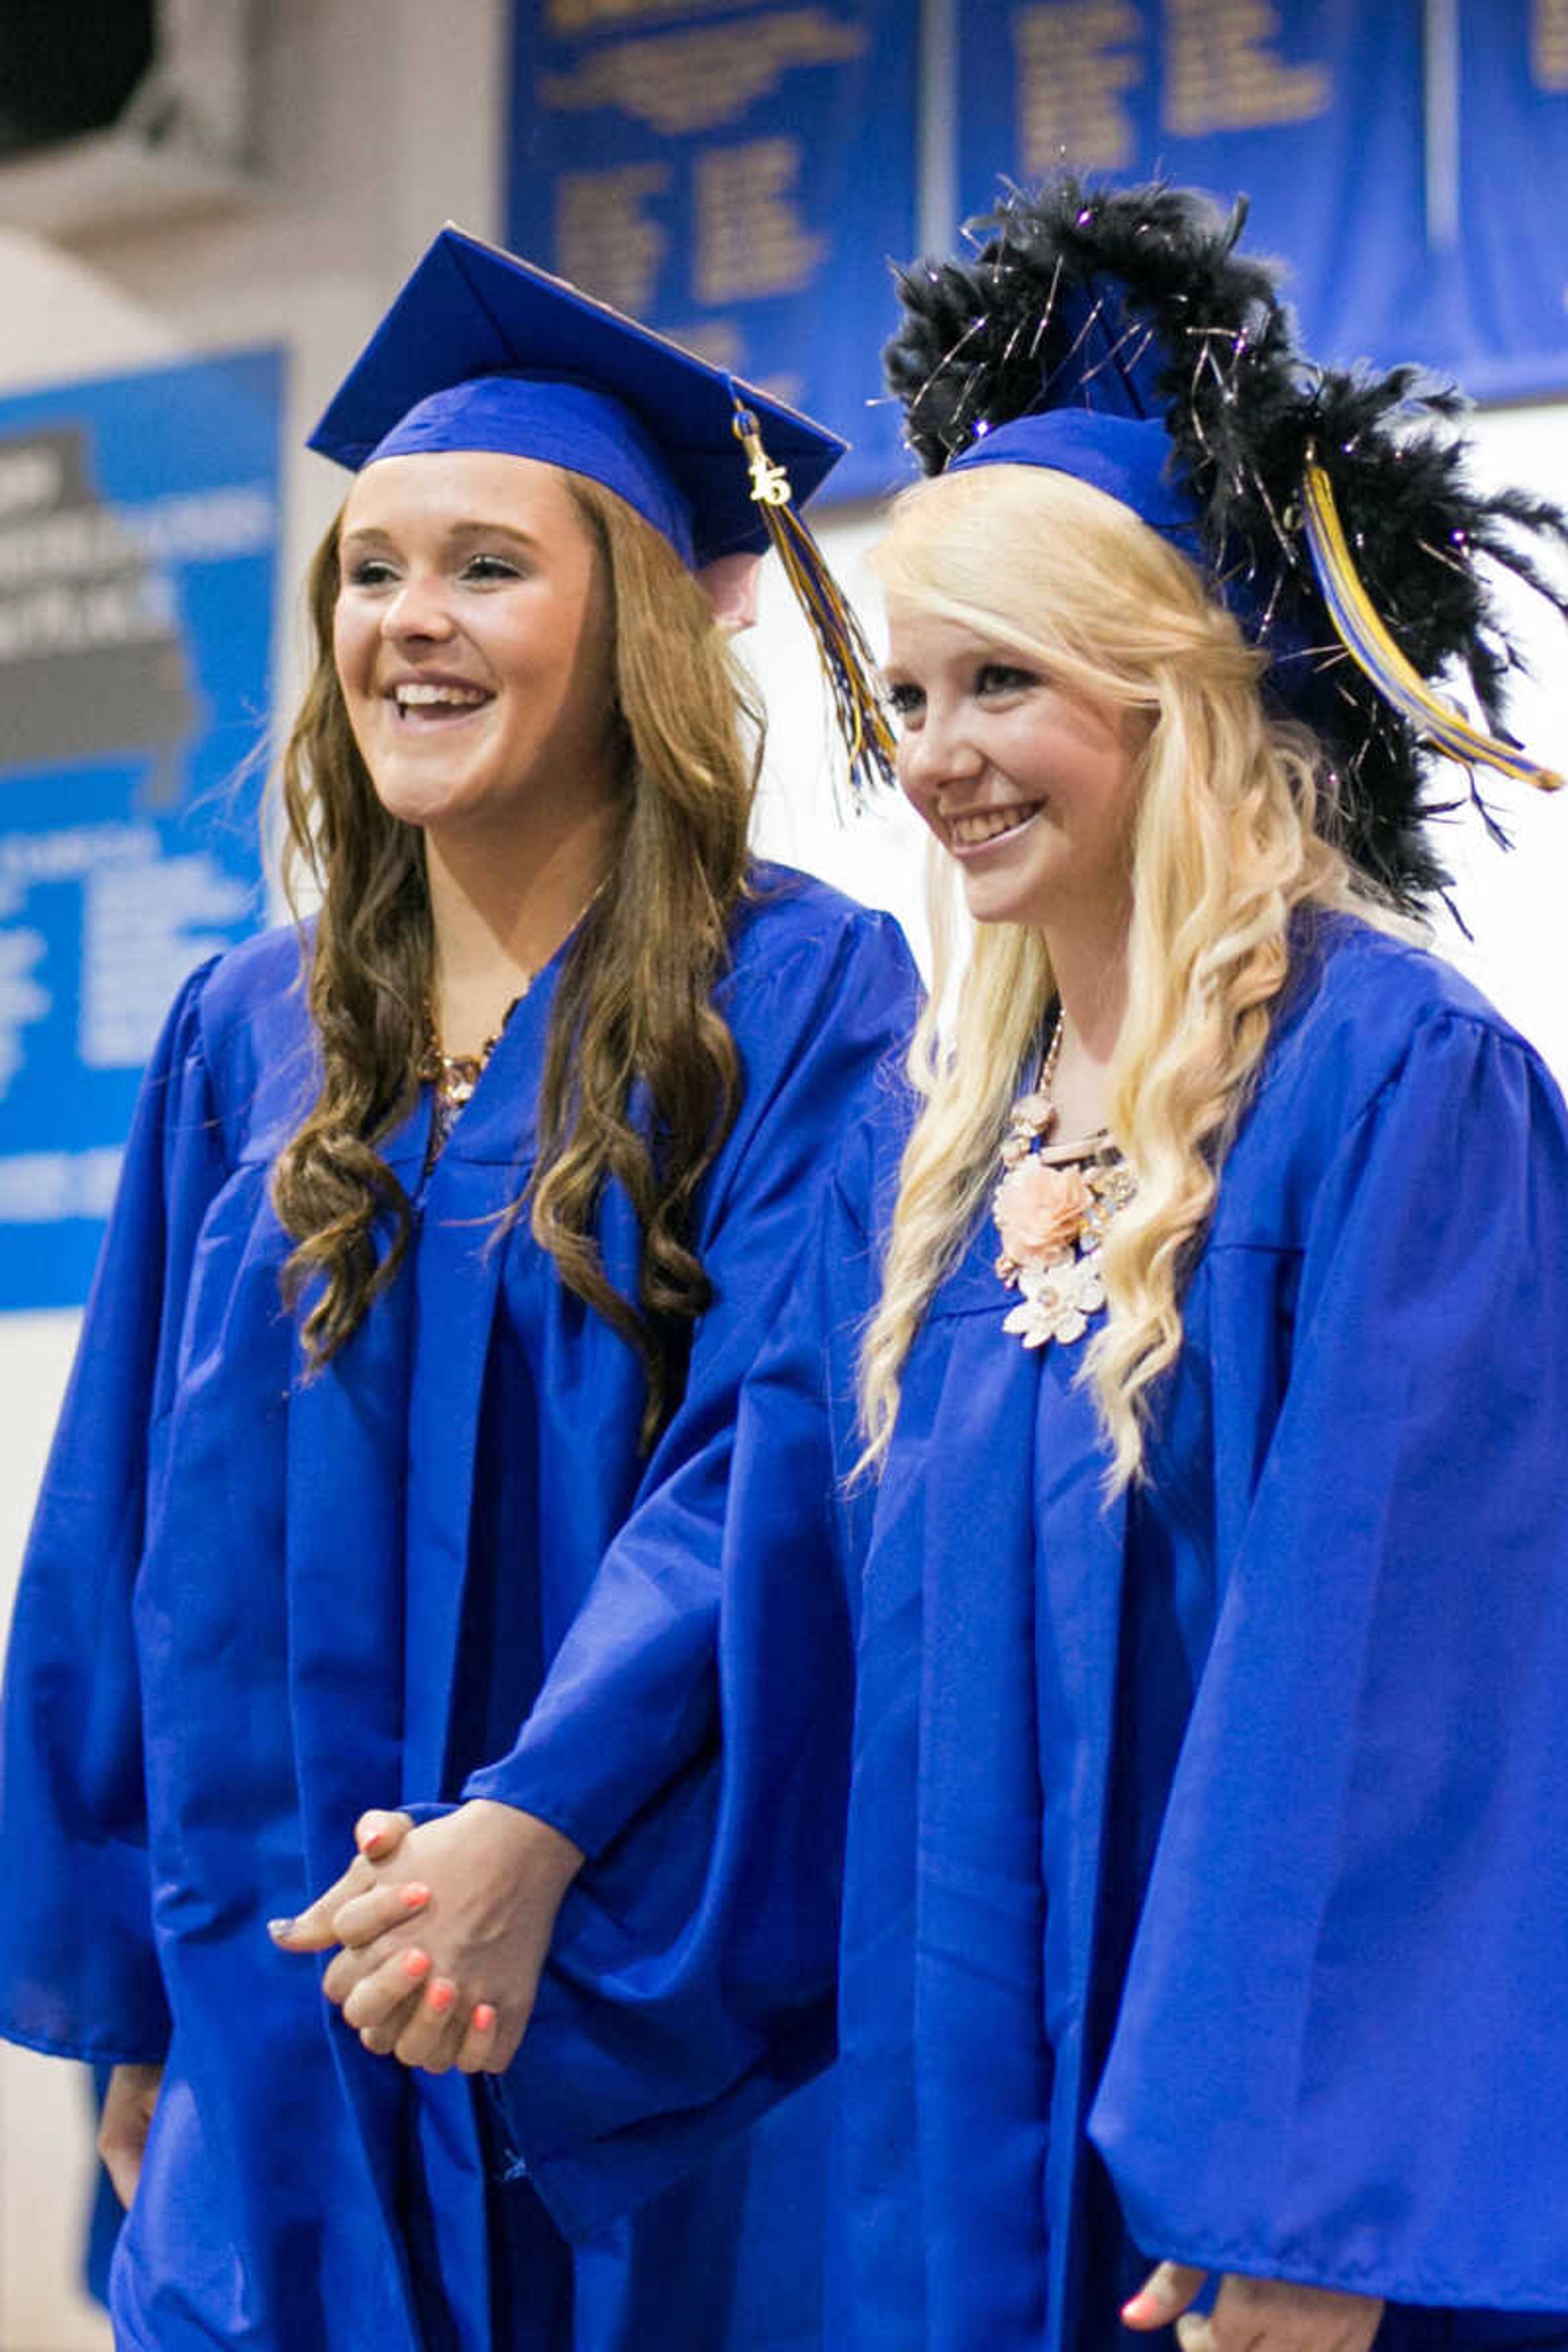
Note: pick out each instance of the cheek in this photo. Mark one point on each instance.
(351, 638)
(905, 772)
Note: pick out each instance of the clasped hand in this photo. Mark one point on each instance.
(443, 1931)
(1253, 2314)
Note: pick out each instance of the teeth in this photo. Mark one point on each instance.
(408, 695)
(985, 824)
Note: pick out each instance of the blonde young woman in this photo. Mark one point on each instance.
(1196, 1392)
(395, 1454)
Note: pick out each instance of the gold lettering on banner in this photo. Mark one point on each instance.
(1549, 44)
(604, 242)
(750, 238)
(1221, 76)
(1072, 66)
(679, 82)
(566, 17)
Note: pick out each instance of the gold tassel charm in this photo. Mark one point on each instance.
(1365, 634)
(847, 663)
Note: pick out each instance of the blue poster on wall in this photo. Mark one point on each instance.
(138, 522)
(1500, 274)
(1313, 111)
(737, 176)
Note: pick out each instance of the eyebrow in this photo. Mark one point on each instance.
(369, 534)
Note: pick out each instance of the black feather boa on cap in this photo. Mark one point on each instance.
(1137, 298)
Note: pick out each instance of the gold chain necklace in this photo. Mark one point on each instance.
(452, 1078)
(1053, 1208)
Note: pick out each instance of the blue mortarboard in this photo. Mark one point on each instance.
(1128, 457)
(482, 351)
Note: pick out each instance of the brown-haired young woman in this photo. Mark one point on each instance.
(395, 1463)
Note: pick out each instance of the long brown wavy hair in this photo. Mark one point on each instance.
(633, 1006)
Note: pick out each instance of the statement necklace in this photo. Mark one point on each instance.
(1053, 1209)
(452, 1078)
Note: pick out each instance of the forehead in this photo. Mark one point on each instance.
(921, 638)
(441, 490)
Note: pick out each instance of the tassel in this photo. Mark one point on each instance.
(846, 659)
(1365, 638)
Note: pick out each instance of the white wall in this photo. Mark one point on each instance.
(378, 119)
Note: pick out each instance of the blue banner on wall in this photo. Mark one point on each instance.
(1315, 111)
(735, 175)
(1501, 318)
(139, 521)
(1404, 158)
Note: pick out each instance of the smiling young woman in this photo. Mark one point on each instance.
(530, 1159)
(1195, 1378)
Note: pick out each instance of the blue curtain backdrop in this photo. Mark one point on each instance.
(737, 176)
(138, 533)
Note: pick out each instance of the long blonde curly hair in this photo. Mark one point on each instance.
(1225, 843)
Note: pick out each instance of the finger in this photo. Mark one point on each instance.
(311, 1929)
(347, 1968)
(352, 1963)
(372, 2000)
(364, 1916)
(434, 2034)
(1163, 2295)
(123, 2166)
(381, 2040)
(475, 2052)
(1194, 2333)
(378, 1834)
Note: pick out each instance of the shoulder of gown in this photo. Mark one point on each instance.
(1365, 1016)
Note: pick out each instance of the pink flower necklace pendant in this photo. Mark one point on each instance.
(1052, 1208)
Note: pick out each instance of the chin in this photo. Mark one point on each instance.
(997, 902)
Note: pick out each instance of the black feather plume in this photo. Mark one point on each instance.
(1137, 299)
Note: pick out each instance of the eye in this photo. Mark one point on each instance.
(367, 572)
(1003, 678)
(905, 702)
(487, 568)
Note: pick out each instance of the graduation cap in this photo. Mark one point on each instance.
(1118, 335)
(483, 351)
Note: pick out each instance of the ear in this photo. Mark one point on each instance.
(730, 584)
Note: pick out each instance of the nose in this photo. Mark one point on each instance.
(938, 751)
(416, 611)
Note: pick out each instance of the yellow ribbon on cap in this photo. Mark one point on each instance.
(1365, 634)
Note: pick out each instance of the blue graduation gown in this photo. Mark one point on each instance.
(1206, 1892)
(255, 1604)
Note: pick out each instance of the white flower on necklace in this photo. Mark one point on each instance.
(1057, 1300)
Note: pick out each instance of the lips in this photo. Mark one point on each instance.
(978, 828)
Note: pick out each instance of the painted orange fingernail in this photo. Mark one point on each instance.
(441, 1996)
(369, 1840)
(484, 2017)
(414, 1962)
(414, 1895)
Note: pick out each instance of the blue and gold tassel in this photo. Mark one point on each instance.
(1365, 638)
(847, 663)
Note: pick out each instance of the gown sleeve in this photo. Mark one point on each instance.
(79, 1973)
(691, 1983)
(1341, 2051)
(630, 1698)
